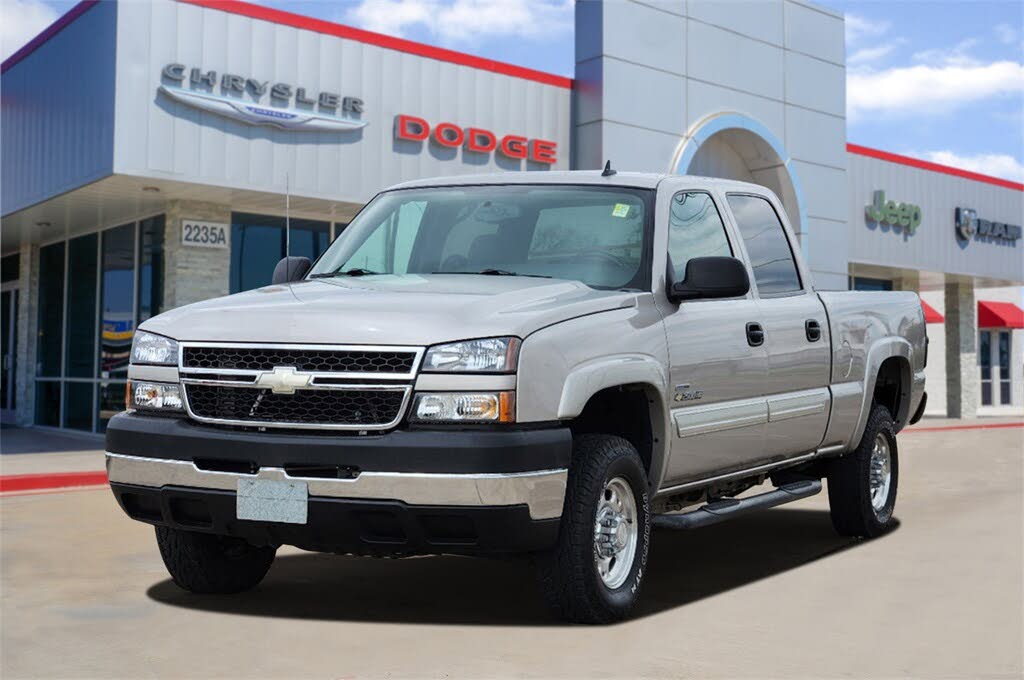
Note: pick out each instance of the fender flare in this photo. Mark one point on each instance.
(587, 379)
(882, 349)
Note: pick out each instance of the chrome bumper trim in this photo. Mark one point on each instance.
(543, 491)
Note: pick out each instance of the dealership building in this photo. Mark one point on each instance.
(149, 151)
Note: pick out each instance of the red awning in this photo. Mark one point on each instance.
(999, 315)
(930, 315)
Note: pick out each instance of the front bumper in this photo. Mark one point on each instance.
(404, 492)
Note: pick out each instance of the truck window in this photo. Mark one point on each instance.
(695, 229)
(599, 236)
(770, 255)
(389, 247)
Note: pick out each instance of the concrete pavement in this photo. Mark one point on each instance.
(772, 595)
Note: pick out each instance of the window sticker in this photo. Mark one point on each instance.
(620, 210)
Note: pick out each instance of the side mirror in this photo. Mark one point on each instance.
(291, 269)
(711, 277)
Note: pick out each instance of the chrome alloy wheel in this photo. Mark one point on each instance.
(880, 472)
(616, 532)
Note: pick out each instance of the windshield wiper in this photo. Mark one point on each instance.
(348, 272)
(497, 272)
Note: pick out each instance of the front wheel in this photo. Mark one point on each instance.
(209, 564)
(862, 484)
(594, 573)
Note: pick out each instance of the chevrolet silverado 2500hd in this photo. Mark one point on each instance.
(544, 363)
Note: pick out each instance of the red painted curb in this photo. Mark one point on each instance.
(943, 428)
(51, 480)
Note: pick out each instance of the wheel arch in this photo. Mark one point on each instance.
(888, 367)
(605, 395)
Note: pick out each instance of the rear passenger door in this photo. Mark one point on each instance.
(795, 328)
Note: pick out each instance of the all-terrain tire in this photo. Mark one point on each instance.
(849, 481)
(211, 564)
(569, 579)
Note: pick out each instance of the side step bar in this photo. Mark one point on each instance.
(721, 510)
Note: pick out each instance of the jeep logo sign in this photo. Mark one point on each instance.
(897, 215)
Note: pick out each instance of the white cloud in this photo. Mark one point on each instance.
(995, 164)
(20, 21)
(869, 55)
(958, 55)
(466, 21)
(1005, 33)
(860, 28)
(941, 81)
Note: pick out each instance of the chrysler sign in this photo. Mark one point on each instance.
(287, 107)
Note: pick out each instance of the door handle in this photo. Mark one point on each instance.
(755, 334)
(813, 329)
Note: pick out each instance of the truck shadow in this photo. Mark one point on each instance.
(684, 567)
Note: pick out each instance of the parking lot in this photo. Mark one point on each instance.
(84, 593)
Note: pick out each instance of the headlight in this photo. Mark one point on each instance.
(149, 348)
(465, 407)
(152, 396)
(489, 355)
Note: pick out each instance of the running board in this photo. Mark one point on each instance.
(721, 510)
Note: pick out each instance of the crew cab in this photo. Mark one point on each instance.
(545, 364)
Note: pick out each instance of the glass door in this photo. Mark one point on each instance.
(994, 361)
(8, 348)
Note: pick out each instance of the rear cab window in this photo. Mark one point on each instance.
(768, 248)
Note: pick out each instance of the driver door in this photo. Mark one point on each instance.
(718, 412)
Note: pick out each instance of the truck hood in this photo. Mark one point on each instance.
(388, 310)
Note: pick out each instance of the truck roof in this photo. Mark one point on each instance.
(640, 180)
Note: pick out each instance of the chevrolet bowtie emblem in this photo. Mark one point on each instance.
(283, 380)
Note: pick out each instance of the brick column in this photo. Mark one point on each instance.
(962, 378)
(194, 273)
(25, 341)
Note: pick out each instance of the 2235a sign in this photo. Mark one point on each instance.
(204, 234)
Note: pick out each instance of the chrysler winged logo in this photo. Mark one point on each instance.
(283, 380)
(260, 102)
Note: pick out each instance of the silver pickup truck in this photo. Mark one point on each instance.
(547, 364)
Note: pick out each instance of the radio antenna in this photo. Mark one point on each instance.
(287, 216)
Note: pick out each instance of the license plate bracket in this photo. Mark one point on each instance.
(265, 500)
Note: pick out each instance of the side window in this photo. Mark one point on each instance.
(695, 229)
(770, 255)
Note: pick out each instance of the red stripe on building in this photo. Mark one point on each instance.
(51, 480)
(370, 38)
(933, 167)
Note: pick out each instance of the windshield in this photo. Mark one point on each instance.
(596, 235)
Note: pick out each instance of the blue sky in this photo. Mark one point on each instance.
(943, 81)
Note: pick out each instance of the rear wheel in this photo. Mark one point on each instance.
(207, 563)
(594, 573)
(862, 484)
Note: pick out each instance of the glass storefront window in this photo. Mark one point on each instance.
(985, 363)
(258, 243)
(48, 402)
(78, 405)
(118, 306)
(93, 292)
(109, 402)
(1004, 367)
(51, 310)
(151, 267)
(80, 348)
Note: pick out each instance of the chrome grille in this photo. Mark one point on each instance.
(343, 387)
(314, 359)
(325, 407)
